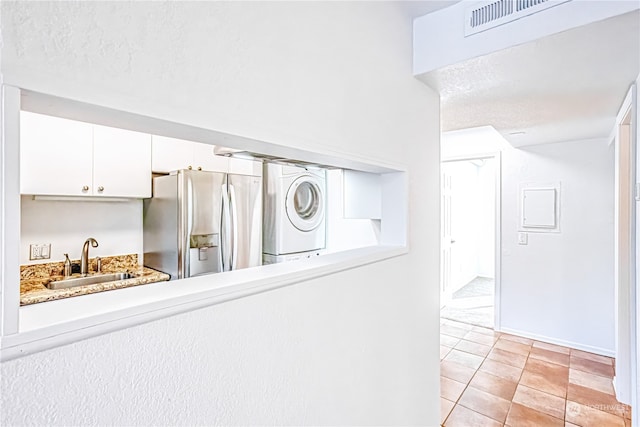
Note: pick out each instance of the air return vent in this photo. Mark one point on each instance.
(490, 14)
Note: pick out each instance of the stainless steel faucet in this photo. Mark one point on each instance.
(84, 261)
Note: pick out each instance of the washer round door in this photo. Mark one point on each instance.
(305, 203)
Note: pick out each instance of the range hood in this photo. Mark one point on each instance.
(249, 155)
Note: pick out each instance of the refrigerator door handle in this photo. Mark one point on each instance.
(226, 229)
(234, 219)
(188, 208)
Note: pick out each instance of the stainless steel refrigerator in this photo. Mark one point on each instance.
(203, 222)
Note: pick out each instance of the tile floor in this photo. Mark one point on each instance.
(489, 378)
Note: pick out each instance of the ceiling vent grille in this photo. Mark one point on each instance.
(491, 14)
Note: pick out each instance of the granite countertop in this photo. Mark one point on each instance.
(34, 278)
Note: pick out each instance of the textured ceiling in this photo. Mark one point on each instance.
(567, 86)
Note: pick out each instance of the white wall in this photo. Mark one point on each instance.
(447, 27)
(357, 347)
(470, 142)
(560, 286)
(117, 226)
(486, 211)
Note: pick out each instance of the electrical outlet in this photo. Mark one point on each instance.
(40, 251)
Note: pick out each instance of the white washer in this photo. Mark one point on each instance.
(294, 211)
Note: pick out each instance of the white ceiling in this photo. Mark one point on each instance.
(416, 8)
(563, 87)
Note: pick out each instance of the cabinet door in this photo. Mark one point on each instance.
(55, 155)
(170, 154)
(121, 163)
(205, 158)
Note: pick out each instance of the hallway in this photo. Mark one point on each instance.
(493, 379)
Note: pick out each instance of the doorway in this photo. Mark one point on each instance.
(468, 228)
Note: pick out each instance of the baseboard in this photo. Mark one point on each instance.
(564, 343)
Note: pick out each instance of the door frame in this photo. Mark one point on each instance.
(497, 244)
(626, 248)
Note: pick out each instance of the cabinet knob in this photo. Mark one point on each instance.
(190, 168)
(199, 168)
(100, 189)
(85, 188)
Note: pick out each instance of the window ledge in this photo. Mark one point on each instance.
(55, 323)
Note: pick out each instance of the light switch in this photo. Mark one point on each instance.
(523, 238)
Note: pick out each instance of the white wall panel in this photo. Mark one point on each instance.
(560, 286)
(356, 347)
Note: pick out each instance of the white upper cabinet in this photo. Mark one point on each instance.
(68, 158)
(170, 154)
(362, 195)
(203, 157)
(55, 155)
(121, 163)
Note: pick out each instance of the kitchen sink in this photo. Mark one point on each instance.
(88, 280)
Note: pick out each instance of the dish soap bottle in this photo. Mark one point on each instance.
(67, 266)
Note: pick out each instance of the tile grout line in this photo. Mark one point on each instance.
(564, 412)
(469, 384)
(518, 382)
(465, 387)
(492, 347)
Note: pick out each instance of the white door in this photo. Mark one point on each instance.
(55, 155)
(121, 163)
(446, 239)
(469, 240)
